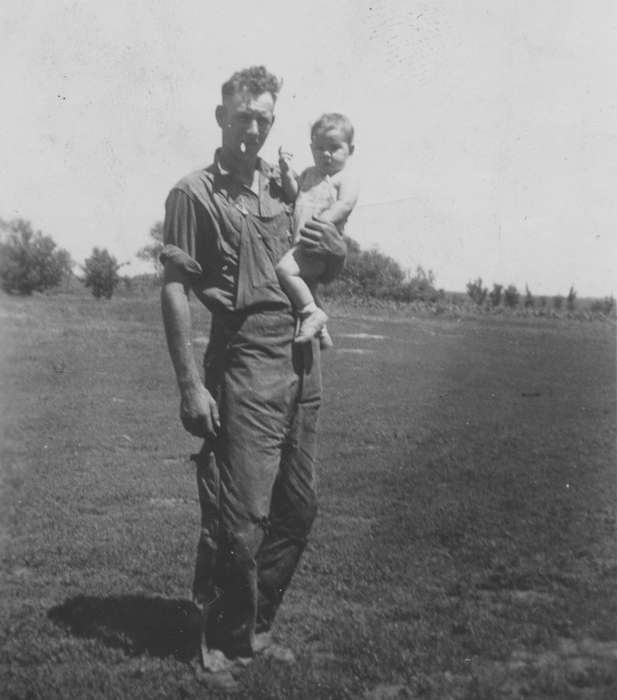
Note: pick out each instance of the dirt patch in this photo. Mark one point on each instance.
(355, 351)
(575, 668)
(385, 691)
(167, 502)
(362, 336)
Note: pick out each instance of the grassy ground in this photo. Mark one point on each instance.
(465, 543)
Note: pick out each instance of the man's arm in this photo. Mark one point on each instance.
(323, 236)
(198, 409)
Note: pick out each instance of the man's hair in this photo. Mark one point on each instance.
(255, 79)
(334, 120)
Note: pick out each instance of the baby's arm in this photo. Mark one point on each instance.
(289, 179)
(348, 191)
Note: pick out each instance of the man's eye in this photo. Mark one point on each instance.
(247, 119)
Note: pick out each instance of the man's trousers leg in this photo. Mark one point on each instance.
(266, 446)
(294, 502)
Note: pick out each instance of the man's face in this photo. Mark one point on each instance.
(245, 121)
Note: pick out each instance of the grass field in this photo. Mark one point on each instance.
(465, 547)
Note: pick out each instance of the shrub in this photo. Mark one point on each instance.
(511, 296)
(571, 299)
(557, 302)
(529, 302)
(29, 261)
(101, 273)
(151, 252)
(379, 275)
(367, 274)
(496, 295)
(371, 274)
(421, 287)
(604, 306)
(476, 291)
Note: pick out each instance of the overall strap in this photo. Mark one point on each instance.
(263, 241)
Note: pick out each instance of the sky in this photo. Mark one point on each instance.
(486, 130)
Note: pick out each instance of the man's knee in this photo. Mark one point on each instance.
(240, 547)
(307, 512)
(297, 518)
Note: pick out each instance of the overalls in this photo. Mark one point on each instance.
(256, 480)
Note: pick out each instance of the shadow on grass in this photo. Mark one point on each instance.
(133, 623)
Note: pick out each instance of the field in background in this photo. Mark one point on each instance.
(464, 547)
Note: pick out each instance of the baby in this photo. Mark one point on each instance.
(328, 192)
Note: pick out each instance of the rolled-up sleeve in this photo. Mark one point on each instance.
(179, 233)
(337, 248)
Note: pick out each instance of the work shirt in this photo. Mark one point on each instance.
(228, 238)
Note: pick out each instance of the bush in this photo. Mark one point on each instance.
(421, 287)
(29, 261)
(557, 302)
(571, 299)
(378, 275)
(511, 296)
(529, 302)
(496, 295)
(476, 291)
(151, 252)
(604, 306)
(369, 274)
(101, 273)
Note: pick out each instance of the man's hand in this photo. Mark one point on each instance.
(319, 235)
(199, 413)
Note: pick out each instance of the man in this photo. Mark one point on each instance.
(226, 227)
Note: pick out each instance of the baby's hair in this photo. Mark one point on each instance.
(334, 120)
(256, 79)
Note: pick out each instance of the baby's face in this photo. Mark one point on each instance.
(330, 150)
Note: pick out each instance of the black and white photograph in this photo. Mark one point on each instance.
(308, 350)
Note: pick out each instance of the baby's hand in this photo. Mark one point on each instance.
(285, 158)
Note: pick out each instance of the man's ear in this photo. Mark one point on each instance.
(352, 148)
(221, 116)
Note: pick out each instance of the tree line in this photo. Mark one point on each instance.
(510, 297)
(32, 262)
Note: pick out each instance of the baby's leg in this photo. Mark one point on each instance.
(296, 272)
(325, 339)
